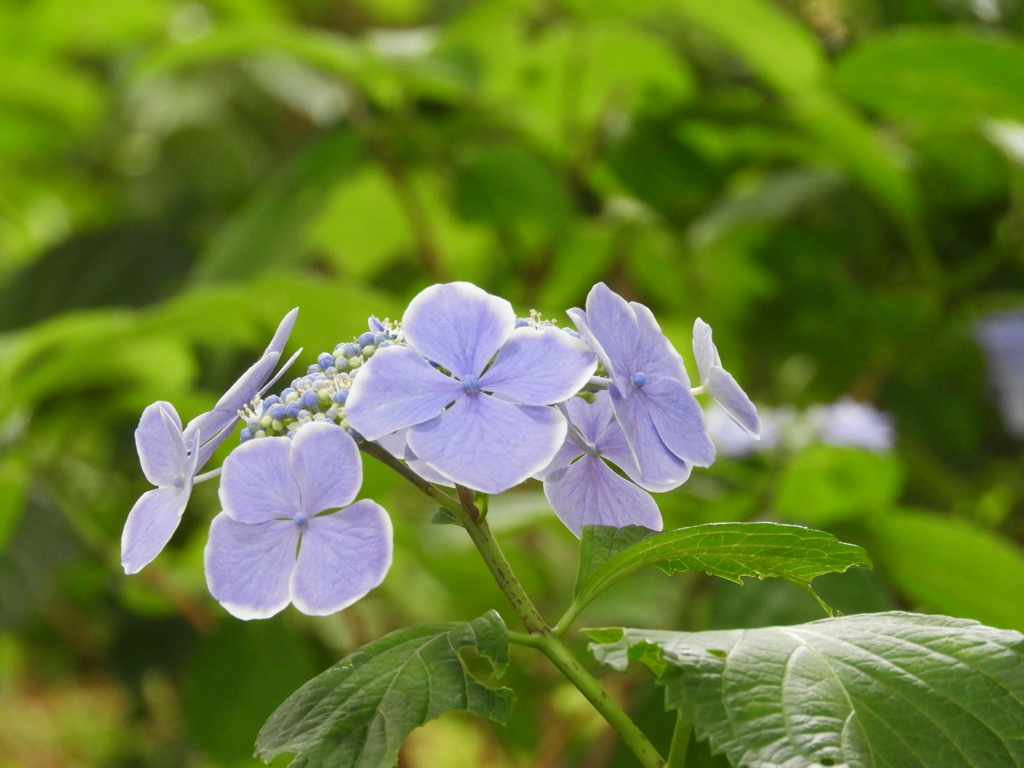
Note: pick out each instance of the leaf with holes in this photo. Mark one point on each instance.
(883, 690)
(358, 712)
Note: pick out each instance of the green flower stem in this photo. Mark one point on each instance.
(541, 637)
(538, 635)
(680, 743)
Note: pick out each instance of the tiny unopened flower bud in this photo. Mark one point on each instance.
(309, 399)
(368, 351)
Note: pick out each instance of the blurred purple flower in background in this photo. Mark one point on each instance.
(171, 457)
(280, 495)
(1002, 337)
(488, 425)
(852, 423)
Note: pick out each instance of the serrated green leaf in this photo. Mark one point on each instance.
(729, 550)
(358, 713)
(869, 691)
(600, 543)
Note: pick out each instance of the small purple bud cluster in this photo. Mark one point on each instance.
(321, 394)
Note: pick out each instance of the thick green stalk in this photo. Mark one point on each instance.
(538, 635)
(680, 743)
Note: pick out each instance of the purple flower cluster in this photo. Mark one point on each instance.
(466, 394)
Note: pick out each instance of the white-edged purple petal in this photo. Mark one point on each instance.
(160, 444)
(207, 449)
(489, 445)
(396, 389)
(704, 349)
(656, 356)
(325, 462)
(727, 393)
(342, 556)
(658, 465)
(613, 323)
(590, 493)
(458, 326)
(540, 367)
(679, 420)
(256, 482)
(249, 567)
(150, 525)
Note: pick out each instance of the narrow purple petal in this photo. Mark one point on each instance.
(150, 525)
(325, 462)
(248, 567)
(679, 420)
(540, 367)
(590, 493)
(458, 326)
(613, 322)
(723, 388)
(579, 318)
(343, 556)
(375, 325)
(397, 388)
(704, 349)
(284, 330)
(487, 444)
(160, 444)
(242, 392)
(207, 449)
(256, 483)
(658, 465)
(656, 356)
(280, 372)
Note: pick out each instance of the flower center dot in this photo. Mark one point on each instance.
(639, 379)
(471, 384)
(300, 519)
(178, 481)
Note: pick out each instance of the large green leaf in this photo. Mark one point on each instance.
(729, 550)
(359, 711)
(600, 543)
(949, 565)
(885, 690)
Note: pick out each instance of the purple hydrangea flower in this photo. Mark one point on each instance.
(487, 426)
(289, 532)
(662, 420)
(1002, 337)
(582, 489)
(397, 445)
(171, 456)
(849, 422)
(720, 384)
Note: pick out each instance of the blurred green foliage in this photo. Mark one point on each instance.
(837, 186)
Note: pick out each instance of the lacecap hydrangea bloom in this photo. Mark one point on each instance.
(464, 393)
(171, 456)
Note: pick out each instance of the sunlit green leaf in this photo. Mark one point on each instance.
(888, 689)
(359, 711)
